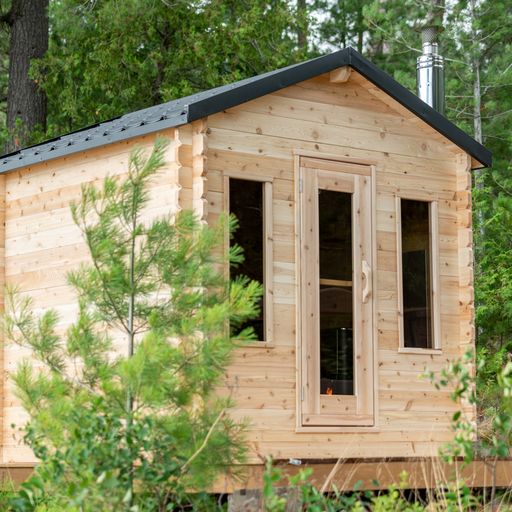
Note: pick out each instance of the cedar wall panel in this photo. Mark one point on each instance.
(42, 243)
(347, 121)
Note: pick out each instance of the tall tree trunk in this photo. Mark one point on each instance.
(165, 43)
(26, 102)
(435, 13)
(477, 107)
(344, 29)
(477, 89)
(477, 95)
(302, 30)
(360, 28)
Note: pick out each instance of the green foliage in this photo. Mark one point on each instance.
(122, 407)
(302, 494)
(489, 435)
(343, 23)
(85, 472)
(493, 291)
(96, 68)
(301, 491)
(494, 436)
(393, 500)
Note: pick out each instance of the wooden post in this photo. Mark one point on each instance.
(251, 500)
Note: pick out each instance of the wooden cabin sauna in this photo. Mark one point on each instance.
(354, 202)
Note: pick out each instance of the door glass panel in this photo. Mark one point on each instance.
(336, 293)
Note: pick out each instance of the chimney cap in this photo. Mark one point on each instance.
(429, 32)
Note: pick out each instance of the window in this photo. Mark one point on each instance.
(417, 250)
(251, 202)
(337, 387)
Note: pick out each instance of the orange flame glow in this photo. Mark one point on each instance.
(328, 391)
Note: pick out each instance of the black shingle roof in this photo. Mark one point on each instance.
(196, 106)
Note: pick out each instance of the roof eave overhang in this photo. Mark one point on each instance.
(71, 149)
(235, 94)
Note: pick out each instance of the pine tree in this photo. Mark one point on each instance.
(138, 425)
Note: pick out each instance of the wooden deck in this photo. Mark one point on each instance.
(373, 474)
(379, 473)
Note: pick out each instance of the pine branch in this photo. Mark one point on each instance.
(499, 114)
(106, 289)
(205, 442)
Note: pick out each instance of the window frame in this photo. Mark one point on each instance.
(433, 208)
(268, 249)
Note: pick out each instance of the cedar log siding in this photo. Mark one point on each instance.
(42, 243)
(348, 121)
(352, 122)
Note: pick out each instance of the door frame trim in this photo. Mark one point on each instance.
(297, 156)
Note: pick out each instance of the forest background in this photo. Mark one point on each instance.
(67, 64)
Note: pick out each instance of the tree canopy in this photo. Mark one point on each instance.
(110, 57)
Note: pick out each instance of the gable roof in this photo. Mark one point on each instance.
(190, 108)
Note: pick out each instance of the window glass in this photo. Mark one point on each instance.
(416, 274)
(246, 203)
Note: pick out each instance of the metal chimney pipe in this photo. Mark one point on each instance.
(430, 71)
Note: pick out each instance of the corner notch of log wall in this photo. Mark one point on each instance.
(2, 309)
(466, 265)
(176, 145)
(199, 166)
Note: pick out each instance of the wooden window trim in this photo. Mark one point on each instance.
(434, 269)
(268, 251)
(422, 351)
(240, 175)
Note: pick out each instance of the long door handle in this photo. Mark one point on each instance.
(367, 275)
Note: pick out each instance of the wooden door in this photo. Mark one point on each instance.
(336, 294)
